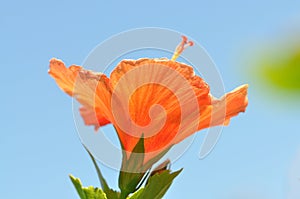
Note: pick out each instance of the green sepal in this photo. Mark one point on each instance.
(132, 170)
(157, 185)
(110, 193)
(155, 159)
(87, 192)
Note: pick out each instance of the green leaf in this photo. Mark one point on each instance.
(94, 193)
(158, 185)
(87, 192)
(108, 191)
(136, 194)
(162, 167)
(78, 186)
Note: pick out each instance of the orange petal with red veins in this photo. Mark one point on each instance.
(155, 92)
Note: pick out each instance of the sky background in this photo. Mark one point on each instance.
(257, 156)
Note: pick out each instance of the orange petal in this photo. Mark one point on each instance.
(64, 77)
(221, 111)
(236, 101)
(143, 84)
(90, 89)
(90, 118)
(232, 103)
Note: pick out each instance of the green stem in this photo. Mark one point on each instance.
(124, 194)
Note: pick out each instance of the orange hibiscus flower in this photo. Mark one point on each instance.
(159, 99)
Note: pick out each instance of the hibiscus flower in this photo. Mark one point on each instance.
(161, 100)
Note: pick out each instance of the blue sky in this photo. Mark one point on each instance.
(257, 154)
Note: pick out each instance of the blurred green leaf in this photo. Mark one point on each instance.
(281, 70)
